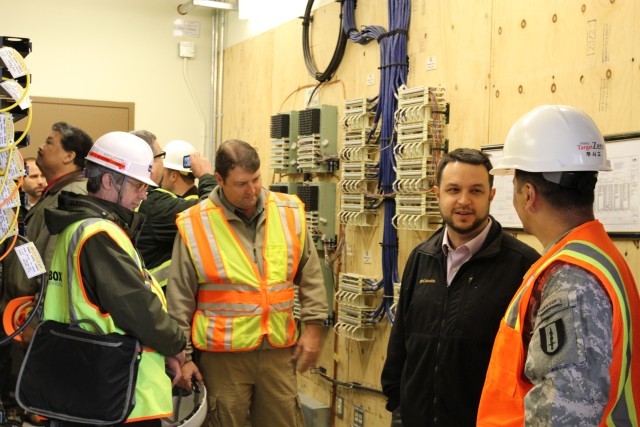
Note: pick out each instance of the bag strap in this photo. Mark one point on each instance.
(76, 325)
(72, 312)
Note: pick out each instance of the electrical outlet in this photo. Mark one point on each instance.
(358, 417)
(187, 49)
(340, 406)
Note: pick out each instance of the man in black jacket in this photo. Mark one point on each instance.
(455, 288)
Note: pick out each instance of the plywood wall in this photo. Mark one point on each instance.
(497, 59)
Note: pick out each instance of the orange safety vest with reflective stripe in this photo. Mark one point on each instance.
(236, 305)
(153, 386)
(589, 247)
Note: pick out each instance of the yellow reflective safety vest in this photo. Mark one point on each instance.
(153, 387)
(236, 305)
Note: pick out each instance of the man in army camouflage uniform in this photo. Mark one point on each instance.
(567, 348)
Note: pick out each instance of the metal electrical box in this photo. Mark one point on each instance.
(316, 413)
(317, 139)
(284, 137)
(319, 200)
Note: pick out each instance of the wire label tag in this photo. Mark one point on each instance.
(30, 259)
(16, 92)
(6, 129)
(14, 61)
(8, 225)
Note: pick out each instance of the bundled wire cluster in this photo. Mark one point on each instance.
(420, 128)
(15, 104)
(338, 53)
(394, 69)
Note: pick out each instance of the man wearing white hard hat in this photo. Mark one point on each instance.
(567, 349)
(107, 280)
(177, 192)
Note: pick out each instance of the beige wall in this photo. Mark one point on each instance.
(117, 50)
(497, 59)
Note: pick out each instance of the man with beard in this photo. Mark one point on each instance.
(455, 288)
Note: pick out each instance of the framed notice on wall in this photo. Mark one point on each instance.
(617, 194)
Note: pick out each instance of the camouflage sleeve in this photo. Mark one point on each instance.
(570, 350)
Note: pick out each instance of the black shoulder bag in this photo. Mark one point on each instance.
(74, 375)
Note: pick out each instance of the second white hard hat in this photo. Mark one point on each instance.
(189, 409)
(553, 138)
(175, 151)
(124, 153)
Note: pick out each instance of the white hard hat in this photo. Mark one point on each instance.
(124, 153)
(189, 408)
(553, 138)
(175, 151)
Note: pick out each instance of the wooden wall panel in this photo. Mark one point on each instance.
(558, 52)
(497, 60)
(247, 97)
(458, 38)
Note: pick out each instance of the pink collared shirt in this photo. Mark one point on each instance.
(458, 256)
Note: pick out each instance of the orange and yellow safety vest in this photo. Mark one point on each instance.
(589, 247)
(237, 305)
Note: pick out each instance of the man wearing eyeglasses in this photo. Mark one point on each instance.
(61, 160)
(161, 207)
(101, 270)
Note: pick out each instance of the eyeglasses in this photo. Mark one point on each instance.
(160, 155)
(140, 187)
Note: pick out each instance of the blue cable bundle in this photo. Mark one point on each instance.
(394, 68)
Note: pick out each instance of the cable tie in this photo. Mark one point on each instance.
(393, 33)
(405, 64)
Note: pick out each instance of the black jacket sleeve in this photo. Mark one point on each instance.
(396, 349)
(161, 210)
(115, 284)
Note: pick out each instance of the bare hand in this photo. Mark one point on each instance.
(173, 363)
(308, 348)
(189, 371)
(200, 165)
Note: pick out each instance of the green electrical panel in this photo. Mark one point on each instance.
(284, 135)
(317, 139)
(285, 187)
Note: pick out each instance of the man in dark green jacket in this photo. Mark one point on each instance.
(155, 242)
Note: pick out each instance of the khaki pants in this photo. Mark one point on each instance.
(262, 382)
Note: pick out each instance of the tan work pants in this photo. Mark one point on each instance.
(262, 382)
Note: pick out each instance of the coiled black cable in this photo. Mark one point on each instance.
(338, 52)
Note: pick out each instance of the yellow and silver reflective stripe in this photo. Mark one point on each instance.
(624, 408)
(228, 309)
(161, 273)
